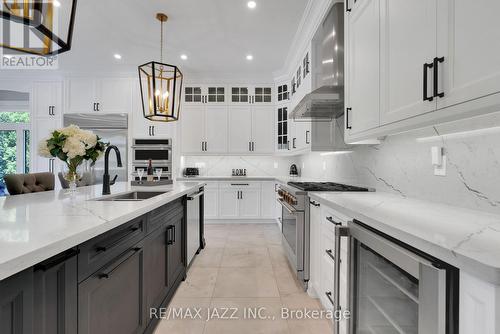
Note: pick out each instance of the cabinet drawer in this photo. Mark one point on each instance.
(112, 299)
(96, 252)
(162, 215)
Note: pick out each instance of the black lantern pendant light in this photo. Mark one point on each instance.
(161, 86)
(40, 27)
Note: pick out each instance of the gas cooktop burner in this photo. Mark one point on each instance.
(325, 186)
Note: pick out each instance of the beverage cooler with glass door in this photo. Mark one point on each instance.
(393, 287)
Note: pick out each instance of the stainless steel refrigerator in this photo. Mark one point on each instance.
(111, 128)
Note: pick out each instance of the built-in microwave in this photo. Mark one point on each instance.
(157, 150)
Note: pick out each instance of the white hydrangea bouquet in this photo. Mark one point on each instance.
(72, 146)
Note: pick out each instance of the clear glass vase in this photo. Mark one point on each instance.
(72, 176)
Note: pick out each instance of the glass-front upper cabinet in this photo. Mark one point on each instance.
(255, 94)
(283, 93)
(282, 131)
(204, 94)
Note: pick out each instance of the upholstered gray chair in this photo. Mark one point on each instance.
(86, 180)
(29, 183)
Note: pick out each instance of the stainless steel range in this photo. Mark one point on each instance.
(295, 221)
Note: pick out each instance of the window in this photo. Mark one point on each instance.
(282, 128)
(14, 144)
(282, 93)
(294, 90)
(305, 65)
(263, 94)
(239, 94)
(192, 94)
(216, 94)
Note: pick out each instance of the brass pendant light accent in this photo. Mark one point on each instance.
(161, 86)
(40, 27)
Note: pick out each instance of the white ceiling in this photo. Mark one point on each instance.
(216, 35)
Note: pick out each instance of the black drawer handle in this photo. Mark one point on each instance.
(56, 260)
(121, 260)
(426, 67)
(330, 254)
(316, 204)
(170, 235)
(117, 240)
(239, 184)
(330, 219)
(436, 76)
(347, 123)
(329, 296)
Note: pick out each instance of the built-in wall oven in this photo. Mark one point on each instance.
(159, 151)
(393, 287)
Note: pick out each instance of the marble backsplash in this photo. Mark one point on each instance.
(401, 164)
(223, 165)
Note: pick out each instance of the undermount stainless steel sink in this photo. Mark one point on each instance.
(133, 196)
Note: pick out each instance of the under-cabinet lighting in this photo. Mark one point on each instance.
(462, 134)
(334, 153)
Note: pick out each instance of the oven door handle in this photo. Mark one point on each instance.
(288, 208)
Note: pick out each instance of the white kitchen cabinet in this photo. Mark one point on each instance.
(240, 129)
(47, 99)
(251, 129)
(479, 309)
(404, 51)
(204, 129)
(202, 94)
(362, 66)
(193, 129)
(107, 95)
(229, 202)
(261, 94)
(263, 129)
(249, 204)
(211, 197)
(216, 127)
(282, 126)
(468, 34)
(268, 200)
(315, 253)
(42, 128)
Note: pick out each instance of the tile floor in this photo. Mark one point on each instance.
(242, 268)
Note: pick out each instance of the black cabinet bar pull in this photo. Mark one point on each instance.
(170, 239)
(329, 296)
(316, 204)
(329, 252)
(330, 219)
(426, 67)
(121, 260)
(56, 260)
(249, 146)
(117, 240)
(98, 106)
(436, 76)
(307, 137)
(173, 234)
(347, 9)
(153, 130)
(347, 124)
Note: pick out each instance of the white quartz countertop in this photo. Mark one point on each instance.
(467, 239)
(35, 227)
(227, 178)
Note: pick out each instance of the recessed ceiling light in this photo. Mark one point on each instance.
(117, 56)
(184, 57)
(251, 4)
(57, 3)
(249, 57)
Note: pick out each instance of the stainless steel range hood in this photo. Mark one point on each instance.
(326, 101)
